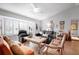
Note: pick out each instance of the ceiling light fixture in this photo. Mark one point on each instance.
(35, 8)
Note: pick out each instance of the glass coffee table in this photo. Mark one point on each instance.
(36, 40)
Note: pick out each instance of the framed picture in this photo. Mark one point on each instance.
(74, 25)
(61, 22)
(62, 25)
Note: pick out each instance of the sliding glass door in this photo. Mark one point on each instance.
(8, 26)
(16, 27)
(11, 26)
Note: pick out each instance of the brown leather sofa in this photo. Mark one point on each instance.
(10, 47)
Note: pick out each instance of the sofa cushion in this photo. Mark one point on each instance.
(27, 51)
(8, 40)
(4, 47)
(16, 49)
(21, 49)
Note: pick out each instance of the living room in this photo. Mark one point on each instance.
(39, 28)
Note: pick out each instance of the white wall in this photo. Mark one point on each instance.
(67, 16)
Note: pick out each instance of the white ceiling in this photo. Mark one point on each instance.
(46, 9)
